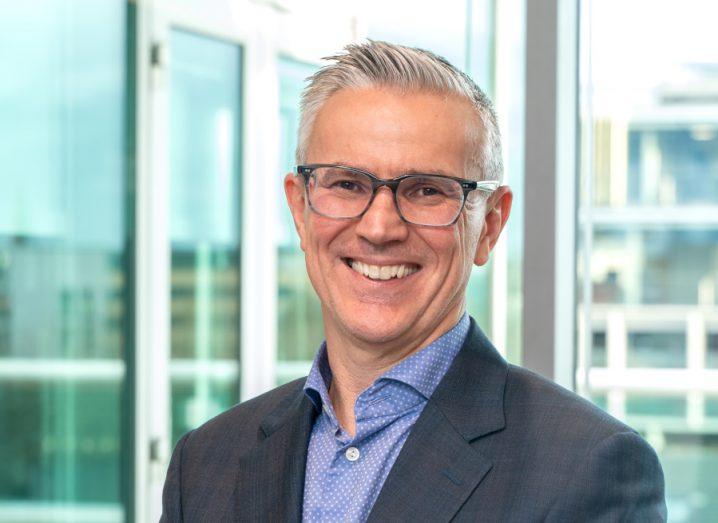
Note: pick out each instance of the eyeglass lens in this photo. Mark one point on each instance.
(423, 200)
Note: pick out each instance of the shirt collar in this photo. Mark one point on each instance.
(320, 377)
(423, 370)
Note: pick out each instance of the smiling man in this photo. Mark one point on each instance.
(408, 413)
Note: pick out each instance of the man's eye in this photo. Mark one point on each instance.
(425, 191)
(429, 191)
(346, 185)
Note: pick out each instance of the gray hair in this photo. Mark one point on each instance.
(381, 64)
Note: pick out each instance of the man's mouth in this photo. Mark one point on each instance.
(382, 272)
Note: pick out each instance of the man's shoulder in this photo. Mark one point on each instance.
(206, 461)
(240, 424)
(531, 399)
(565, 459)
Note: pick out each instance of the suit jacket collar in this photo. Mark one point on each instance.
(270, 477)
(471, 395)
(436, 471)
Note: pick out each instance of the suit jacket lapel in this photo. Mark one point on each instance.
(270, 481)
(438, 469)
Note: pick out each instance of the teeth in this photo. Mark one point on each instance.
(384, 272)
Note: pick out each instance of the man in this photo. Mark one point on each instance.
(408, 413)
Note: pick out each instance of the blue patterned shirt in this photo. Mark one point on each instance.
(344, 475)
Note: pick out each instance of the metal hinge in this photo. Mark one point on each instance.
(159, 55)
(157, 451)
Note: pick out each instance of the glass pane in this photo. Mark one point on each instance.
(712, 353)
(63, 288)
(655, 406)
(299, 319)
(712, 406)
(599, 358)
(656, 349)
(659, 165)
(205, 94)
(648, 253)
(692, 460)
(652, 264)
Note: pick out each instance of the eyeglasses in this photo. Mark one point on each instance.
(340, 192)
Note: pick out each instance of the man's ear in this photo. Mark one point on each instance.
(294, 190)
(498, 208)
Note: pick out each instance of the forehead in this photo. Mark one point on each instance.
(390, 132)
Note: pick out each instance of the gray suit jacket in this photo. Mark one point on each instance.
(494, 443)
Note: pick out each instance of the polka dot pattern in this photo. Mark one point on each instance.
(345, 474)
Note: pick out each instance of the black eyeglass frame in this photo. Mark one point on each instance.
(467, 186)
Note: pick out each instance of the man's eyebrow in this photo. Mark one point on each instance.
(403, 172)
(353, 165)
(439, 172)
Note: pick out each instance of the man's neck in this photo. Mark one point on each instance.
(350, 377)
(356, 366)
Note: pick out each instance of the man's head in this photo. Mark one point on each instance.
(405, 69)
(393, 111)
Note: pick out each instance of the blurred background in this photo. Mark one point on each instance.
(150, 276)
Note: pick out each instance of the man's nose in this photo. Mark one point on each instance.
(381, 223)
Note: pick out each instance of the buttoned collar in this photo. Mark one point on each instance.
(422, 371)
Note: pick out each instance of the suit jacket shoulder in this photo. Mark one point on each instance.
(211, 463)
(531, 399)
(500, 443)
(241, 424)
(495, 442)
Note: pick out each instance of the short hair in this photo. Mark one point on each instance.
(409, 69)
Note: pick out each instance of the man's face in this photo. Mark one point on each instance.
(390, 134)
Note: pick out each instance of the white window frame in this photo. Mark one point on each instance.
(550, 188)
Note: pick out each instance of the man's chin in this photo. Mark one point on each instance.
(376, 329)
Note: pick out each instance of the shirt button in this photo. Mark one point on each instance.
(352, 453)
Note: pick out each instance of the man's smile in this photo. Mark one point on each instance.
(382, 272)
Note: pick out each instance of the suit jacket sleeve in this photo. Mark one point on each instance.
(172, 492)
(620, 480)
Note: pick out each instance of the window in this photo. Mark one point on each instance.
(299, 318)
(64, 279)
(205, 121)
(648, 242)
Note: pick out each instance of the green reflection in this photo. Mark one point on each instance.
(712, 351)
(662, 349)
(478, 296)
(63, 286)
(299, 320)
(712, 406)
(191, 408)
(689, 463)
(205, 95)
(70, 449)
(657, 405)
